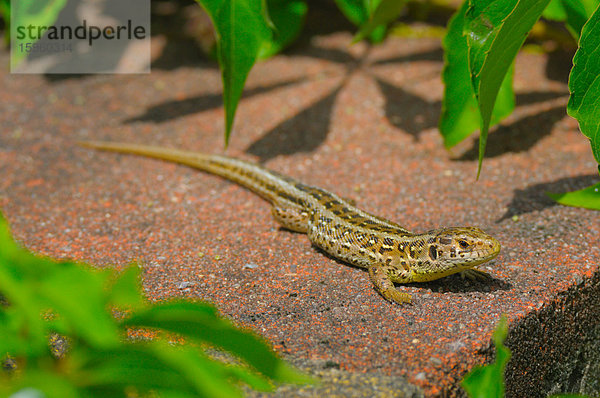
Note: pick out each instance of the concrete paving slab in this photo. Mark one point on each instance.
(360, 122)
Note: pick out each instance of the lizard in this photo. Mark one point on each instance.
(389, 252)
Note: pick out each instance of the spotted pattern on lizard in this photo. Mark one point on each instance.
(389, 252)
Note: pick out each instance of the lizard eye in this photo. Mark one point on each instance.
(463, 243)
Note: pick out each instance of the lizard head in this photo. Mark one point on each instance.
(445, 251)
(461, 247)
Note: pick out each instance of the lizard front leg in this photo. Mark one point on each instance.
(475, 275)
(384, 285)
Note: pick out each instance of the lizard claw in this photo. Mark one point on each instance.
(395, 296)
(475, 275)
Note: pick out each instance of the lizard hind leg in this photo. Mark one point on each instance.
(291, 217)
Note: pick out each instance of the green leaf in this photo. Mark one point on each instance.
(242, 30)
(360, 12)
(162, 368)
(488, 381)
(157, 366)
(495, 32)
(555, 11)
(589, 5)
(19, 274)
(37, 383)
(77, 295)
(5, 11)
(584, 83)
(5, 14)
(31, 12)
(354, 10)
(200, 322)
(577, 13)
(200, 372)
(574, 13)
(125, 289)
(385, 12)
(287, 18)
(253, 380)
(18, 338)
(588, 198)
(460, 115)
(34, 285)
(39, 297)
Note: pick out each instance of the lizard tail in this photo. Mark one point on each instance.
(193, 159)
(249, 175)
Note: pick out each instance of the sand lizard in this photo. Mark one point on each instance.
(389, 252)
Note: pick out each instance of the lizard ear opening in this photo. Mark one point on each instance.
(433, 252)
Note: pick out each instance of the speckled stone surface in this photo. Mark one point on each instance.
(360, 122)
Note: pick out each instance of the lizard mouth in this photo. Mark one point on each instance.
(485, 251)
(481, 256)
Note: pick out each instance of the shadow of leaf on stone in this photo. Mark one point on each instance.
(304, 132)
(177, 108)
(434, 55)
(519, 136)
(533, 198)
(559, 64)
(407, 111)
(333, 55)
(533, 97)
(181, 52)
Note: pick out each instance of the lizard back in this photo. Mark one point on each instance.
(390, 252)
